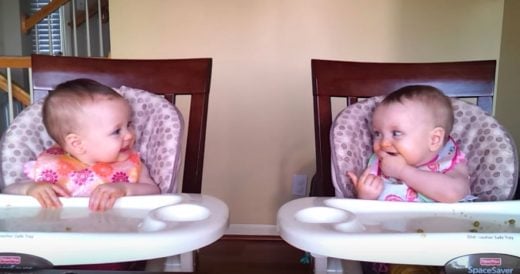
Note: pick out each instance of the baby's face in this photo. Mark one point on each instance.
(106, 131)
(403, 129)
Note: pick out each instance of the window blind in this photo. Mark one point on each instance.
(47, 34)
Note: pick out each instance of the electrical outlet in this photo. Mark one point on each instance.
(299, 185)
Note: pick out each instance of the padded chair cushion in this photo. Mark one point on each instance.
(158, 125)
(489, 148)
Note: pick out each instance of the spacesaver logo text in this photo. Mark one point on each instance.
(489, 270)
(491, 266)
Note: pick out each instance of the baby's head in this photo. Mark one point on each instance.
(89, 120)
(434, 103)
(414, 121)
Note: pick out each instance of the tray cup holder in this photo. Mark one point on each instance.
(159, 218)
(342, 220)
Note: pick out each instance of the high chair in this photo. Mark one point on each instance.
(344, 144)
(356, 80)
(151, 87)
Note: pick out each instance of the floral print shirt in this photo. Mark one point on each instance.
(55, 166)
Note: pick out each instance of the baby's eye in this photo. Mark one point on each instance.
(117, 131)
(129, 125)
(396, 133)
(377, 134)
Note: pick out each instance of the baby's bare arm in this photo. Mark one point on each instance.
(19, 188)
(448, 187)
(46, 193)
(145, 185)
(105, 195)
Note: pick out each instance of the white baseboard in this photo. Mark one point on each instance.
(252, 229)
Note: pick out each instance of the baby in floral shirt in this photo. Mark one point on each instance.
(91, 124)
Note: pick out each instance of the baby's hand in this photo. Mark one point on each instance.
(104, 196)
(47, 194)
(368, 186)
(391, 165)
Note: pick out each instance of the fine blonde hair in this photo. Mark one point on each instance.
(63, 106)
(433, 99)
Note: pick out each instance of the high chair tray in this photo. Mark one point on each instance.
(400, 232)
(137, 228)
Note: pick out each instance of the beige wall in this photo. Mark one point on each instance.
(260, 126)
(508, 84)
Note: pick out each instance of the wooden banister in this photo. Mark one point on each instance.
(29, 22)
(15, 62)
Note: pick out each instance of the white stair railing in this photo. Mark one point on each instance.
(13, 96)
(59, 27)
(68, 27)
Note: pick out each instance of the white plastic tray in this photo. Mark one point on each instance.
(400, 232)
(137, 228)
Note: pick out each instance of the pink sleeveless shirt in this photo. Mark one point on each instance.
(57, 167)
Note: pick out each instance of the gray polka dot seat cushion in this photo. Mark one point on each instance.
(489, 148)
(158, 125)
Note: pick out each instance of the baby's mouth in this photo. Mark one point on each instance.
(392, 153)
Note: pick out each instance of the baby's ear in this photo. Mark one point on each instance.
(73, 144)
(437, 138)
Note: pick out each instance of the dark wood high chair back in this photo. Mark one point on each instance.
(165, 77)
(353, 80)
